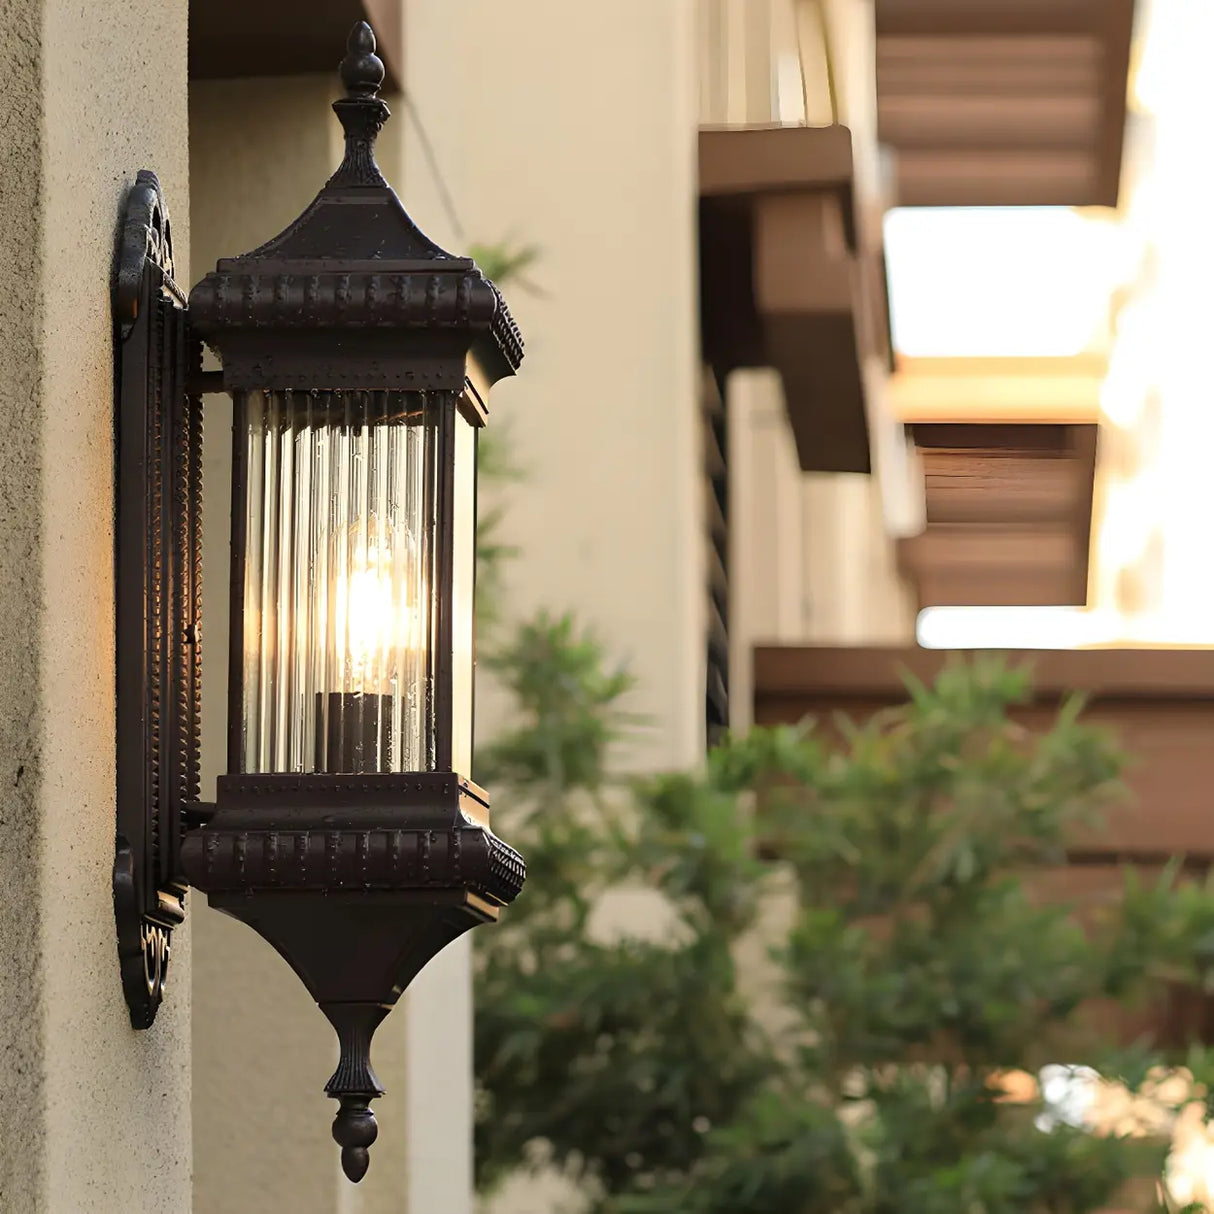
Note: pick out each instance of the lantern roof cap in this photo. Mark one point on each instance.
(355, 258)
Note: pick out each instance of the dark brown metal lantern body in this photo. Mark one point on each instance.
(359, 356)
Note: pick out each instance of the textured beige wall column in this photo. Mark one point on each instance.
(438, 1005)
(260, 149)
(767, 579)
(571, 126)
(854, 594)
(95, 1116)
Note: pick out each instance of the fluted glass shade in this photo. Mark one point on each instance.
(342, 490)
(463, 587)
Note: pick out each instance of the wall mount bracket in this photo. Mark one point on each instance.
(158, 579)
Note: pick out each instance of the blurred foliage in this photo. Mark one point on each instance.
(910, 971)
(495, 467)
(506, 262)
(507, 265)
(839, 961)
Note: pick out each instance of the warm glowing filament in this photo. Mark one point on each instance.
(377, 618)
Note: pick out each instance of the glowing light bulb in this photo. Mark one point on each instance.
(377, 595)
(336, 612)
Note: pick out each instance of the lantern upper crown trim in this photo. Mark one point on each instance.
(407, 313)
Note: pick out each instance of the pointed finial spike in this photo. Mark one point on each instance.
(362, 70)
(354, 1130)
(354, 1163)
(361, 111)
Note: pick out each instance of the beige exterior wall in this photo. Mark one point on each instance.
(572, 126)
(95, 1115)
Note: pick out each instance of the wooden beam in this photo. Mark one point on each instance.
(1008, 515)
(995, 565)
(1004, 102)
(1118, 31)
(786, 280)
(940, 121)
(235, 38)
(1180, 674)
(1001, 17)
(748, 160)
(995, 177)
(951, 65)
(1159, 702)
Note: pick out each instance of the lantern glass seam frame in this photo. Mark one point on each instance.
(359, 356)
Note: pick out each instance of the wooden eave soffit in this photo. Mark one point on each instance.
(787, 282)
(1004, 102)
(1008, 515)
(1159, 701)
(233, 38)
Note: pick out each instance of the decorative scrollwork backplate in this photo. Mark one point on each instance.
(158, 542)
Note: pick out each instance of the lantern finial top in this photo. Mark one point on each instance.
(362, 70)
(361, 111)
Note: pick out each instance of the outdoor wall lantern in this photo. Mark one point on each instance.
(358, 355)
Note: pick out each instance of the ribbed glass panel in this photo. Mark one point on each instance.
(338, 581)
(463, 575)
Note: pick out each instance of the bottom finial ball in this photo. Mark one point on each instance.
(354, 1130)
(354, 1162)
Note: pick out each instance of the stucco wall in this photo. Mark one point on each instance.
(23, 1111)
(95, 1116)
(572, 127)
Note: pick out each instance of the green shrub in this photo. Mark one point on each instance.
(907, 967)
